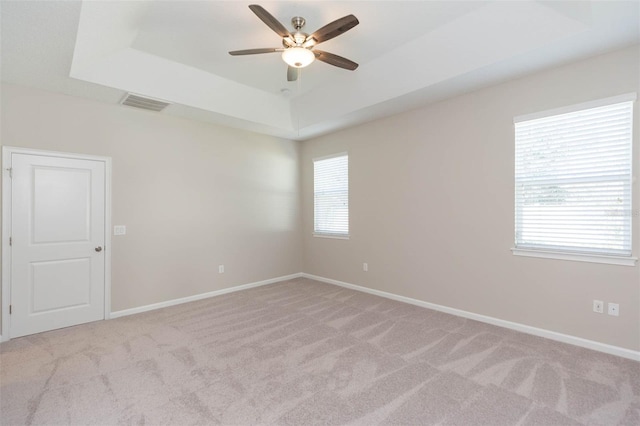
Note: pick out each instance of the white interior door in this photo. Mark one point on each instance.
(58, 235)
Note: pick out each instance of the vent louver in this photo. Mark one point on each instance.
(143, 102)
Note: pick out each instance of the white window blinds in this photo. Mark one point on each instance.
(331, 195)
(573, 181)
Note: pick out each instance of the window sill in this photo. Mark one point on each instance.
(577, 257)
(333, 236)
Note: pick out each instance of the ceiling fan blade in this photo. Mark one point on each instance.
(292, 73)
(253, 51)
(268, 19)
(335, 60)
(334, 28)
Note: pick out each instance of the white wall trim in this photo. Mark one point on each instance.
(6, 226)
(107, 239)
(6, 250)
(326, 157)
(332, 236)
(627, 97)
(576, 257)
(165, 304)
(540, 332)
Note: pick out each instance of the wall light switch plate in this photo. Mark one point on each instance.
(613, 309)
(598, 306)
(119, 230)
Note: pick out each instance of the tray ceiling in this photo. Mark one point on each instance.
(410, 53)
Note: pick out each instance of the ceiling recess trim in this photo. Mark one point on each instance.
(144, 102)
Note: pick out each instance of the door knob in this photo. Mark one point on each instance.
(98, 249)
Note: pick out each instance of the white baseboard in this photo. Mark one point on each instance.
(541, 332)
(145, 308)
(560, 337)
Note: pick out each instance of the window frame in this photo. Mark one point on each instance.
(613, 259)
(324, 234)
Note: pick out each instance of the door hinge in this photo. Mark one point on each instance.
(10, 241)
(10, 170)
(10, 309)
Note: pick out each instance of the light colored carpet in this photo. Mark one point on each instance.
(303, 352)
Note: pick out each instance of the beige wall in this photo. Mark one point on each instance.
(431, 202)
(431, 205)
(192, 195)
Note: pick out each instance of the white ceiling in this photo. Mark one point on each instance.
(410, 53)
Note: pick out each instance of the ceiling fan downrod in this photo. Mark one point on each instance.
(300, 38)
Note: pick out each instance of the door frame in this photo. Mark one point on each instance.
(6, 226)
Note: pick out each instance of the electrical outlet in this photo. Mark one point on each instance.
(598, 306)
(220, 269)
(613, 309)
(365, 267)
(119, 230)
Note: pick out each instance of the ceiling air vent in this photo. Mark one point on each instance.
(143, 102)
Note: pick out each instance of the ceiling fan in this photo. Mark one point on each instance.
(298, 49)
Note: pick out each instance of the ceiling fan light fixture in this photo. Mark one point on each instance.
(297, 46)
(298, 57)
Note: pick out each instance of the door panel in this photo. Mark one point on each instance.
(61, 205)
(71, 286)
(58, 219)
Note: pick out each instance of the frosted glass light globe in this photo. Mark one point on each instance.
(298, 57)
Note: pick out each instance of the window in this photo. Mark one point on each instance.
(573, 181)
(331, 196)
